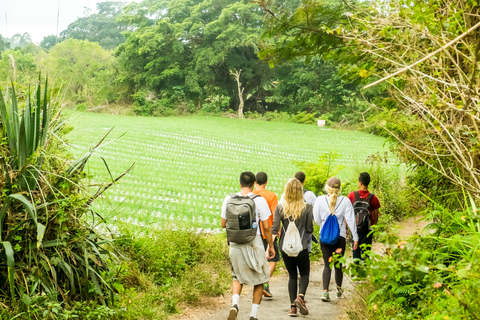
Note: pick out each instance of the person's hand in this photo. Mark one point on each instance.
(270, 252)
(355, 245)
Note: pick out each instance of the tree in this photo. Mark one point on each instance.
(101, 27)
(184, 49)
(4, 44)
(20, 40)
(49, 41)
(83, 70)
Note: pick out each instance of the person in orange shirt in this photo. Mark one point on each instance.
(272, 200)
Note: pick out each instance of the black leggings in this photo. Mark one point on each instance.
(302, 261)
(327, 251)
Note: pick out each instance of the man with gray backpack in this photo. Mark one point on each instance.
(242, 213)
(365, 207)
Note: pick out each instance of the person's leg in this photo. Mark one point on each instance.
(291, 266)
(257, 298)
(357, 254)
(338, 266)
(327, 272)
(272, 265)
(236, 290)
(303, 263)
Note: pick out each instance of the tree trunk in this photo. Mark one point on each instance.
(237, 74)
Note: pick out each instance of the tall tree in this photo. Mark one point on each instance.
(101, 27)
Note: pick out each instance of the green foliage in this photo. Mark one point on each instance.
(429, 276)
(50, 41)
(101, 27)
(85, 72)
(49, 254)
(18, 65)
(19, 41)
(167, 267)
(317, 173)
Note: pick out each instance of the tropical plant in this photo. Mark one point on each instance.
(48, 251)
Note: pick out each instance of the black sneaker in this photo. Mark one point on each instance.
(266, 291)
(232, 315)
(252, 318)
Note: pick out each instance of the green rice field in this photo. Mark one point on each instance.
(185, 166)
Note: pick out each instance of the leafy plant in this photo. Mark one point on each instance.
(317, 173)
(48, 250)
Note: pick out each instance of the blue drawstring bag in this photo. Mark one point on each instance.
(330, 231)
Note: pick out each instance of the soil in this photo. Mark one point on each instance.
(278, 307)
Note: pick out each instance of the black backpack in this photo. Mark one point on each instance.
(361, 208)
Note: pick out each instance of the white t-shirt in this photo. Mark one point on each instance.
(343, 211)
(262, 210)
(308, 196)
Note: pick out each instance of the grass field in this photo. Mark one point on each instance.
(184, 167)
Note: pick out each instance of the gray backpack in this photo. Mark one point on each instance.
(241, 219)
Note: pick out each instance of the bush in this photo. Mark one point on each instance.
(431, 276)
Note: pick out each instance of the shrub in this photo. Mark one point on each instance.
(430, 276)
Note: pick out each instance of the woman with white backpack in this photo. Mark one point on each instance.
(295, 218)
(331, 212)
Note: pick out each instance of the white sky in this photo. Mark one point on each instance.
(39, 17)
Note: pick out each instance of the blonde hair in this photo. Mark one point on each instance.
(293, 204)
(335, 192)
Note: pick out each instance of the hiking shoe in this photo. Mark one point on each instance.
(293, 312)
(300, 304)
(339, 292)
(232, 315)
(266, 291)
(326, 297)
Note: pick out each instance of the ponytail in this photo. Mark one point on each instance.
(335, 192)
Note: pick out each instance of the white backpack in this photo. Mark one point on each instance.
(292, 242)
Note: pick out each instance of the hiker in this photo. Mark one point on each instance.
(241, 214)
(295, 211)
(365, 207)
(272, 201)
(336, 205)
(309, 198)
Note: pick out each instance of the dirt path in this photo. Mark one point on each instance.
(277, 308)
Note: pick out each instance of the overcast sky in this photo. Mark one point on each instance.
(39, 17)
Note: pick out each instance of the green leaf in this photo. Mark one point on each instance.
(10, 266)
(40, 233)
(27, 204)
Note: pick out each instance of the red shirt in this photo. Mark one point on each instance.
(374, 204)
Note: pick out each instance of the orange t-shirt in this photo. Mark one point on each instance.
(272, 202)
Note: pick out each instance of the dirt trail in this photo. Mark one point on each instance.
(277, 308)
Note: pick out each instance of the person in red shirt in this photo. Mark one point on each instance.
(367, 236)
(272, 200)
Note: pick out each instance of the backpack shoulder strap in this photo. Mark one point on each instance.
(253, 196)
(233, 195)
(357, 195)
(370, 197)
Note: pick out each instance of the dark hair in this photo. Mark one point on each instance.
(364, 178)
(261, 178)
(300, 176)
(247, 179)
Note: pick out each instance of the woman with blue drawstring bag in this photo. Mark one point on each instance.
(332, 213)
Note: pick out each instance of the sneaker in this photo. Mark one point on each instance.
(339, 292)
(326, 297)
(300, 304)
(266, 291)
(252, 318)
(293, 312)
(232, 315)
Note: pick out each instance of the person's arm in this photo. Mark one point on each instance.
(309, 223)
(223, 220)
(263, 214)
(352, 225)
(317, 212)
(276, 221)
(375, 215)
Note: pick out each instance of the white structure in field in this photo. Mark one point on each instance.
(321, 123)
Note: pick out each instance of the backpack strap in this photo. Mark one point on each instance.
(233, 195)
(357, 195)
(253, 196)
(369, 198)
